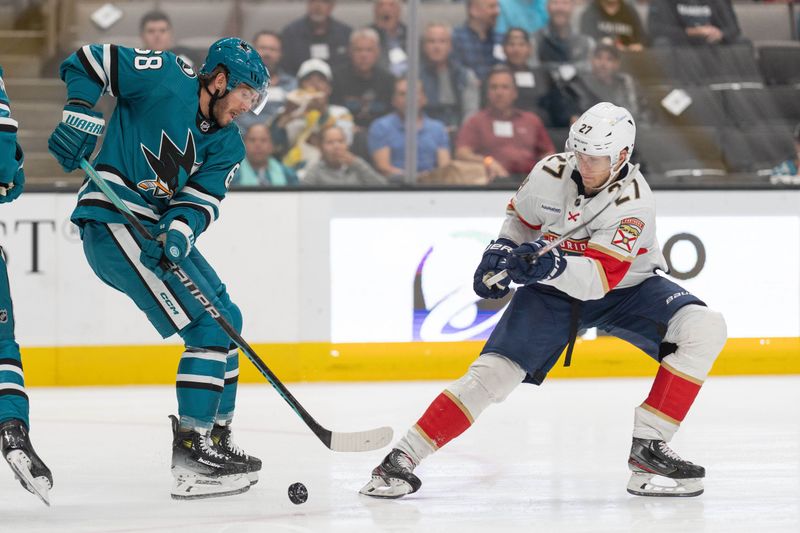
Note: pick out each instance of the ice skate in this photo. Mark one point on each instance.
(28, 468)
(223, 439)
(201, 469)
(393, 478)
(659, 471)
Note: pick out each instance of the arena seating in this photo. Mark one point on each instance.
(744, 99)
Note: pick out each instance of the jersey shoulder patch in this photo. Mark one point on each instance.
(626, 234)
(185, 67)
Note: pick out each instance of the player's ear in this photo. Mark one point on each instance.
(623, 155)
(220, 81)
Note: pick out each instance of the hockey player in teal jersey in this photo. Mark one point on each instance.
(15, 441)
(170, 151)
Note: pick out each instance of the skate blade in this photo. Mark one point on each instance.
(252, 477)
(193, 487)
(20, 464)
(645, 484)
(391, 488)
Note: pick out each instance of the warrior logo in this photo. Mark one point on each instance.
(167, 165)
(3, 316)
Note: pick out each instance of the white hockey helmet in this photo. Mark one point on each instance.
(604, 129)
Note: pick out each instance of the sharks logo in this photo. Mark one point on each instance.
(167, 165)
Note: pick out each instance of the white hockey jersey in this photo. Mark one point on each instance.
(618, 249)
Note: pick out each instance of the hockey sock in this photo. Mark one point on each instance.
(227, 402)
(445, 419)
(489, 380)
(699, 334)
(666, 406)
(13, 399)
(199, 385)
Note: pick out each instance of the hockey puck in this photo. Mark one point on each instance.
(298, 493)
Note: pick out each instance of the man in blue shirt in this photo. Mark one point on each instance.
(387, 137)
(473, 42)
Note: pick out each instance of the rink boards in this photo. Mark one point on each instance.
(377, 286)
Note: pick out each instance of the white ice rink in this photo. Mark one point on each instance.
(548, 459)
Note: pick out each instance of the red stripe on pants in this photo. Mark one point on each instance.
(672, 395)
(443, 421)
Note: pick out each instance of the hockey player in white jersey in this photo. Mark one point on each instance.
(605, 276)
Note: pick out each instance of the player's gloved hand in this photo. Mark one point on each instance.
(521, 269)
(11, 186)
(492, 262)
(177, 238)
(11, 191)
(151, 257)
(76, 135)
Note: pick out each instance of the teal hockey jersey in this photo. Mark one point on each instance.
(11, 158)
(159, 153)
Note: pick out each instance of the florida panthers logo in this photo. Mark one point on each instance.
(167, 165)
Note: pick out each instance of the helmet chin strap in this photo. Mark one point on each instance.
(215, 97)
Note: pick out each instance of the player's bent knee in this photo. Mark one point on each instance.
(204, 331)
(236, 316)
(490, 379)
(497, 374)
(700, 334)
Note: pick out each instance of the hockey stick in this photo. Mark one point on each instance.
(500, 276)
(358, 441)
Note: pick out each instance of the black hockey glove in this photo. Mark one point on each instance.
(525, 271)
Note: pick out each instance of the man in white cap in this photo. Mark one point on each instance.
(295, 131)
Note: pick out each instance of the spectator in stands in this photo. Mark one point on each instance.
(338, 166)
(317, 35)
(508, 141)
(387, 138)
(616, 20)
(536, 91)
(389, 25)
(451, 90)
(259, 168)
(530, 15)
(268, 45)
(155, 29)
(557, 44)
(296, 129)
(693, 22)
(473, 42)
(361, 85)
(605, 83)
(790, 167)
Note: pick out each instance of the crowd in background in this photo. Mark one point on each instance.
(492, 91)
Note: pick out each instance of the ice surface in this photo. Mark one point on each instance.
(548, 459)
